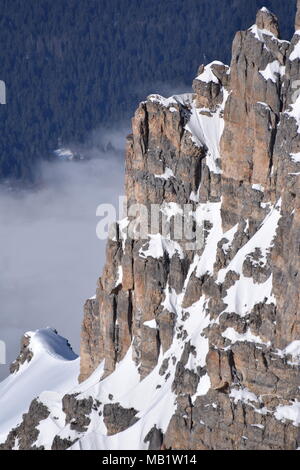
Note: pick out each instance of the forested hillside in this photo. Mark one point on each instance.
(71, 66)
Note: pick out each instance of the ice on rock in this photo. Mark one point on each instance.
(258, 187)
(168, 173)
(295, 157)
(294, 112)
(120, 276)
(243, 395)
(206, 131)
(207, 75)
(289, 413)
(295, 55)
(158, 246)
(233, 336)
(273, 71)
(293, 349)
(150, 324)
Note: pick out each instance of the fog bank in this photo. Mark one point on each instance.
(50, 257)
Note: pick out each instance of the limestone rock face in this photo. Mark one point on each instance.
(268, 21)
(247, 281)
(24, 356)
(209, 84)
(27, 432)
(117, 419)
(253, 107)
(90, 351)
(194, 332)
(163, 168)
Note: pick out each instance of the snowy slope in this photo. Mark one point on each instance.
(54, 367)
(153, 397)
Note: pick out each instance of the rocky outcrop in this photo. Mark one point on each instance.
(117, 418)
(24, 436)
(253, 184)
(195, 325)
(24, 356)
(251, 115)
(155, 438)
(80, 408)
(208, 86)
(159, 146)
(91, 344)
(266, 20)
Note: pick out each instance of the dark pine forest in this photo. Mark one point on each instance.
(71, 66)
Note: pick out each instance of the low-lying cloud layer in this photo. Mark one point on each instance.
(50, 257)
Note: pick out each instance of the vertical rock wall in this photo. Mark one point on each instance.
(222, 319)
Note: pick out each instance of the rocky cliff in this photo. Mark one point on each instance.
(193, 338)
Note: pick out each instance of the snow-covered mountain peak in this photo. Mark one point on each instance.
(46, 364)
(48, 342)
(40, 344)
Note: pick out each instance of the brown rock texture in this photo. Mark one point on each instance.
(268, 21)
(27, 432)
(252, 112)
(249, 379)
(158, 141)
(24, 356)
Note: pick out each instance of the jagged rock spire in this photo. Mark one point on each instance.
(265, 19)
(297, 21)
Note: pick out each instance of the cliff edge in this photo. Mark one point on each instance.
(193, 338)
